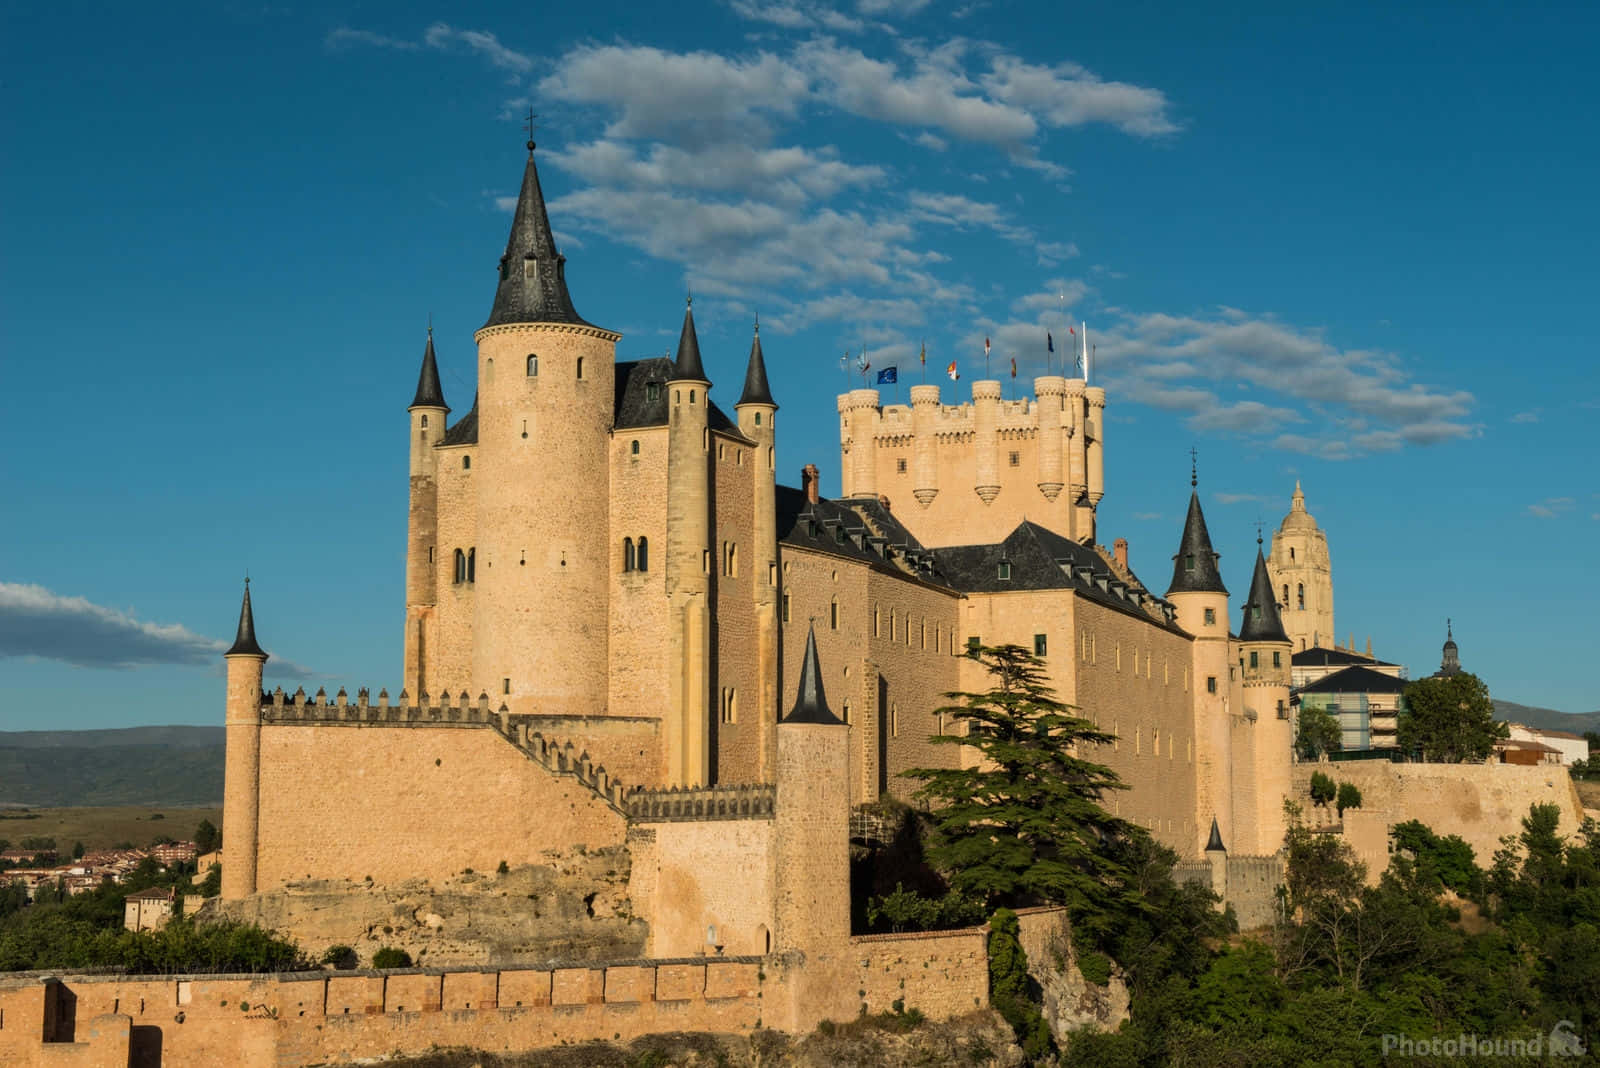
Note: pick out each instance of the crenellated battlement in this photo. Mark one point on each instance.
(753, 802)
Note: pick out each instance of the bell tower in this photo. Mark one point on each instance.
(1303, 573)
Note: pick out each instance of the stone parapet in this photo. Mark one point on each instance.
(752, 802)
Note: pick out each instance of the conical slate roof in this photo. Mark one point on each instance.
(430, 394)
(244, 643)
(1261, 620)
(533, 277)
(1214, 843)
(756, 390)
(810, 704)
(1197, 568)
(687, 367)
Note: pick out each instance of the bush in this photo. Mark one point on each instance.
(1095, 967)
(1322, 788)
(1349, 797)
(1011, 990)
(389, 957)
(341, 957)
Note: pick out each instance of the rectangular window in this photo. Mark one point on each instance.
(786, 606)
(1211, 684)
(730, 705)
(505, 685)
(1039, 645)
(1255, 659)
(894, 721)
(900, 466)
(772, 574)
(1004, 571)
(1015, 461)
(705, 561)
(972, 645)
(1277, 659)
(1211, 615)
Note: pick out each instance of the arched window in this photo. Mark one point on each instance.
(461, 567)
(627, 554)
(636, 447)
(466, 463)
(1300, 593)
(642, 555)
(1286, 594)
(472, 565)
(424, 422)
(533, 366)
(580, 366)
(1291, 554)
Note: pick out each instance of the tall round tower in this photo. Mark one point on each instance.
(428, 413)
(758, 414)
(241, 776)
(1303, 572)
(1265, 650)
(545, 406)
(1201, 599)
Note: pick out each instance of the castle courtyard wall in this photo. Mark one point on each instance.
(346, 801)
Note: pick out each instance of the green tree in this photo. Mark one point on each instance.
(77, 850)
(1349, 797)
(206, 837)
(1026, 823)
(1318, 733)
(1322, 789)
(1012, 990)
(211, 885)
(1449, 719)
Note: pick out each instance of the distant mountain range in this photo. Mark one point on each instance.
(129, 766)
(1548, 718)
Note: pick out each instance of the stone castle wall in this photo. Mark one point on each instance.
(737, 734)
(1479, 802)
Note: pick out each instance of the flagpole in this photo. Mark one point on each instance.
(1086, 368)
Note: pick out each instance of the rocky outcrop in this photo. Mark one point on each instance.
(574, 907)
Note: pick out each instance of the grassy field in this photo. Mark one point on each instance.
(103, 828)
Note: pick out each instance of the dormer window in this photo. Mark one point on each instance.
(652, 392)
(1003, 573)
(530, 270)
(1188, 563)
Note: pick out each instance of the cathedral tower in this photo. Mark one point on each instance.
(757, 414)
(542, 559)
(1201, 599)
(241, 783)
(428, 412)
(1303, 571)
(689, 571)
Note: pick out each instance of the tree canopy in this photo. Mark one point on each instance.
(1449, 719)
(1026, 824)
(1318, 732)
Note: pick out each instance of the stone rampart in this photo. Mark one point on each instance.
(701, 803)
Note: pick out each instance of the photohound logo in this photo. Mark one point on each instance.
(1562, 1041)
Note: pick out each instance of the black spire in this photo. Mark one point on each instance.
(687, 367)
(244, 643)
(1197, 568)
(756, 390)
(429, 393)
(810, 705)
(1261, 620)
(1450, 664)
(1214, 843)
(533, 276)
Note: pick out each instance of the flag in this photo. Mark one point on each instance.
(1071, 331)
(863, 365)
(1013, 367)
(986, 348)
(924, 354)
(955, 376)
(1049, 342)
(889, 375)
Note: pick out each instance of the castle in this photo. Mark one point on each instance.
(638, 640)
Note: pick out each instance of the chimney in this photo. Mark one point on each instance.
(809, 478)
(1119, 549)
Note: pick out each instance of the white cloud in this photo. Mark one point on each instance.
(443, 36)
(1068, 95)
(35, 622)
(795, 15)
(890, 7)
(1551, 507)
(931, 141)
(791, 174)
(1526, 417)
(1240, 498)
(345, 37)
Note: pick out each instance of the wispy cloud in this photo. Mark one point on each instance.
(1526, 417)
(487, 45)
(1551, 507)
(36, 622)
(1240, 498)
(795, 15)
(345, 37)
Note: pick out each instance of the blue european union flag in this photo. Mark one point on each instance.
(887, 375)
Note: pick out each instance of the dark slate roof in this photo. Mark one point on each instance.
(1214, 843)
(429, 393)
(688, 365)
(870, 535)
(465, 432)
(244, 643)
(756, 389)
(1041, 559)
(1261, 622)
(1317, 656)
(810, 703)
(634, 406)
(543, 298)
(1355, 680)
(1206, 574)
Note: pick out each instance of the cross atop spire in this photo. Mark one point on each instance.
(1194, 468)
(530, 126)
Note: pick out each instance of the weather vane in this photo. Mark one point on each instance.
(1194, 467)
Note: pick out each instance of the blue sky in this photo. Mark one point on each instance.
(1352, 246)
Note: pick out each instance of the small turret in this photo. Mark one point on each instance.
(1214, 843)
(430, 394)
(241, 776)
(1197, 568)
(756, 389)
(687, 367)
(244, 641)
(1261, 622)
(810, 703)
(533, 275)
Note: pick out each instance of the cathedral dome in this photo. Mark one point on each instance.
(1298, 518)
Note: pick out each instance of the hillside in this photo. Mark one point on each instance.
(1548, 718)
(130, 766)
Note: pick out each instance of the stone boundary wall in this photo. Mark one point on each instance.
(279, 1021)
(942, 973)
